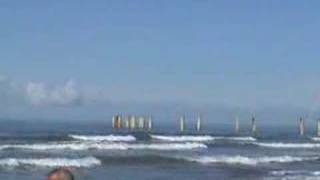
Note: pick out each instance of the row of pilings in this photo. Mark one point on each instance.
(134, 122)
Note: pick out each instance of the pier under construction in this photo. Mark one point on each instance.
(146, 124)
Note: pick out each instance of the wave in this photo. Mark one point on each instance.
(199, 138)
(113, 138)
(104, 146)
(182, 138)
(289, 145)
(315, 138)
(294, 172)
(51, 162)
(169, 146)
(243, 160)
(243, 138)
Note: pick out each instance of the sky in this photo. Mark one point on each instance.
(74, 59)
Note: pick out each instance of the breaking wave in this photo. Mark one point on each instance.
(182, 138)
(244, 138)
(51, 162)
(199, 138)
(243, 160)
(294, 172)
(289, 145)
(113, 138)
(169, 146)
(104, 146)
(315, 138)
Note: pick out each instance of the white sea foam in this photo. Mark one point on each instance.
(168, 146)
(224, 159)
(315, 138)
(289, 145)
(51, 162)
(199, 138)
(113, 138)
(243, 138)
(284, 172)
(294, 172)
(104, 146)
(65, 146)
(182, 138)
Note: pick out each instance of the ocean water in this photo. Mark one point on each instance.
(94, 151)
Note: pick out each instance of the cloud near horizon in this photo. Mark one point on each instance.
(41, 94)
(43, 100)
(38, 100)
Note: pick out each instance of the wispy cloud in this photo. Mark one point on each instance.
(44, 100)
(42, 94)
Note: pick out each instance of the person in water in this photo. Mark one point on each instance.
(60, 174)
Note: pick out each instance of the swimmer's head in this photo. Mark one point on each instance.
(60, 174)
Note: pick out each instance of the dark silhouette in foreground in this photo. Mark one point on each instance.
(60, 174)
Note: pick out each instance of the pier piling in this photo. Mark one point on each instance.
(127, 122)
(253, 126)
(113, 122)
(198, 126)
(141, 123)
(236, 126)
(150, 124)
(132, 122)
(182, 124)
(318, 128)
(116, 122)
(301, 126)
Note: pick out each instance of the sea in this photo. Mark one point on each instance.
(93, 151)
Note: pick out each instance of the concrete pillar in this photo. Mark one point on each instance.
(141, 123)
(301, 127)
(132, 122)
(253, 126)
(237, 126)
(182, 124)
(150, 124)
(198, 126)
(318, 128)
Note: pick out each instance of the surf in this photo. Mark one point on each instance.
(182, 138)
(289, 145)
(294, 173)
(112, 138)
(85, 162)
(315, 138)
(199, 138)
(105, 146)
(244, 160)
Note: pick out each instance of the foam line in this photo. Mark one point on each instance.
(51, 162)
(112, 138)
(104, 146)
(289, 145)
(243, 160)
(189, 138)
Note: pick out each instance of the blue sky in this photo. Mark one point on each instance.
(249, 54)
